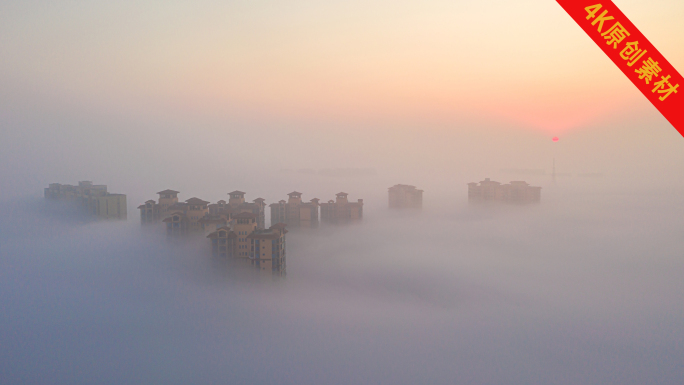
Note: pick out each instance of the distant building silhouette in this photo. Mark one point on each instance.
(341, 211)
(514, 192)
(405, 196)
(94, 199)
(294, 212)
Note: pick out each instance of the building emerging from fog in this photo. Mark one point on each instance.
(403, 196)
(94, 199)
(514, 192)
(294, 212)
(248, 246)
(341, 211)
(268, 249)
(196, 215)
(153, 212)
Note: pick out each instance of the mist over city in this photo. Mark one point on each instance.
(542, 242)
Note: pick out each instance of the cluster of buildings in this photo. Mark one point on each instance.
(237, 228)
(513, 192)
(93, 199)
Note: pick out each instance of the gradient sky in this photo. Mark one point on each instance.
(523, 62)
(465, 87)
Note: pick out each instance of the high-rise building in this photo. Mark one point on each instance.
(182, 218)
(167, 198)
(341, 211)
(93, 199)
(268, 249)
(243, 224)
(223, 242)
(177, 225)
(405, 196)
(294, 212)
(153, 212)
(514, 192)
(237, 204)
(262, 249)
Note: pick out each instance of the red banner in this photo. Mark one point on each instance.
(633, 54)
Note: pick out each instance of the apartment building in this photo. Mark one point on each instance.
(403, 196)
(341, 210)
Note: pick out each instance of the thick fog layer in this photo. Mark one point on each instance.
(585, 287)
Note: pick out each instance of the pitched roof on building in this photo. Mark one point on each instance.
(168, 192)
(279, 226)
(196, 201)
(294, 193)
(144, 205)
(236, 192)
(341, 194)
(259, 200)
(178, 213)
(230, 234)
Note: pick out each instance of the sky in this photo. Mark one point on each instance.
(267, 97)
(86, 82)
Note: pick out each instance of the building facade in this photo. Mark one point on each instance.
(295, 212)
(405, 196)
(265, 249)
(243, 225)
(223, 242)
(341, 211)
(513, 192)
(268, 249)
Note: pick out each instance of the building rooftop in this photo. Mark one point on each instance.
(402, 186)
(168, 192)
(295, 193)
(236, 192)
(196, 201)
(170, 217)
(229, 234)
